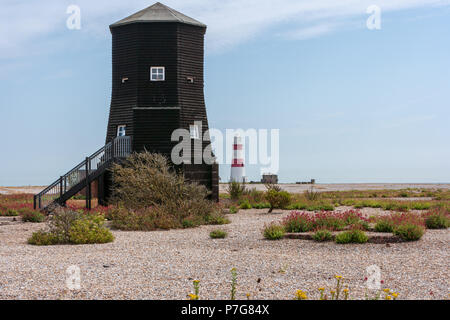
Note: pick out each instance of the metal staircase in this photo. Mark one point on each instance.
(82, 175)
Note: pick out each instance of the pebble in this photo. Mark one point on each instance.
(163, 264)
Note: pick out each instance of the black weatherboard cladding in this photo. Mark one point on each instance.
(152, 110)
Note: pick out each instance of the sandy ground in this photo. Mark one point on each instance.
(298, 188)
(294, 188)
(162, 264)
(17, 190)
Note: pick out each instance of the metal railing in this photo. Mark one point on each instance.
(120, 147)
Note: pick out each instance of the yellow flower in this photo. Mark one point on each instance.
(321, 289)
(192, 296)
(395, 294)
(345, 290)
(338, 277)
(388, 298)
(387, 290)
(196, 281)
(300, 295)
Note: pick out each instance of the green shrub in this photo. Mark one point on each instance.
(261, 205)
(320, 207)
(218, 234)
(217, 219)
(359, 205)
(322, 235)
(188, 223)
(61, 222)
(384, 225)
(273, 231)
(150, 195)
(437, 221)
(297, 206)
(245, 205)
(233, 210)
(68, 227)
(31, 216)
(278, 199)
(352, 236)
(420, 205)
(236, 190)
(409, 231)
(11, 213)
(89, 229)
(388, 206)
(42, 238)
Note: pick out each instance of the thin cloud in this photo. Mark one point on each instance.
(25, 25)
(310, 32)
(410, 120)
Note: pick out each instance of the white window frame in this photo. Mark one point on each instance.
(158, 69)
(194, 131)
(124, 127)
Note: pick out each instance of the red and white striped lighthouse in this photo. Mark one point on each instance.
(237, 164)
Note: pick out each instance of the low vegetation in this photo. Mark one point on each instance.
(278, 199)
(312, 195)
(233, 210)
(385, 225)
(312, 200)
(10, 213)
(150, 195)
(67, 227)
(218, 234)
(334, 221)
(322, 236)
(409, 231)
(29, 215)
(273, 231)
(352, 236)
(245, 205)
(340, 291)
(407, 226)
(437, 219)
(236, 190)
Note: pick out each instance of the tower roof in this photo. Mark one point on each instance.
(158, 13)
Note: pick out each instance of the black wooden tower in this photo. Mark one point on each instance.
(157, 87)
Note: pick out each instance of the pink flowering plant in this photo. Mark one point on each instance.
(303, 221)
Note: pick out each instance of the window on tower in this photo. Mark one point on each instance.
(121, 130)
(195, 133)
(157, 74)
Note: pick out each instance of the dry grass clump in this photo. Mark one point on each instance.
(245, 198)
(150, 194)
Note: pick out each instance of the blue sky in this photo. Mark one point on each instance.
(352, 104)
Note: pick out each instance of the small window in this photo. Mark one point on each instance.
(121, 131)
(195, 133)
(157, 74)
